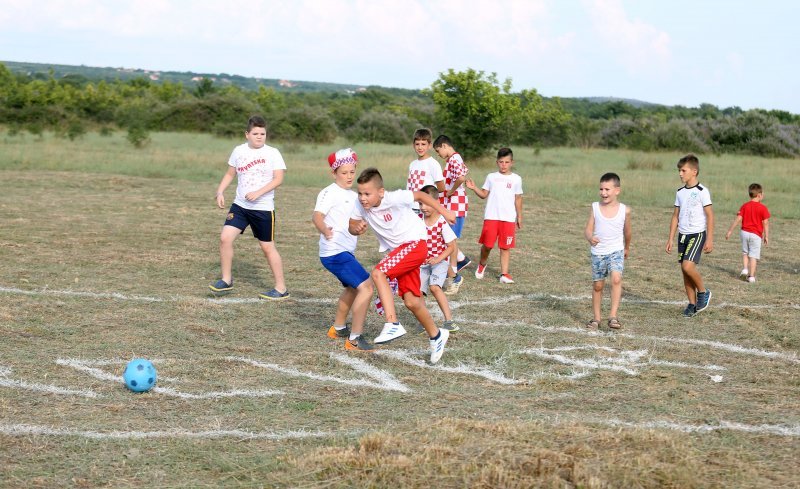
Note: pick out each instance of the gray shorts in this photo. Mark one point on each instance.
(751, 244)
(602, 265)
(433, 275)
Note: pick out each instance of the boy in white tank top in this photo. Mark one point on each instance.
(609, 234)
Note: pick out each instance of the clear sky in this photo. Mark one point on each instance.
(687, 52)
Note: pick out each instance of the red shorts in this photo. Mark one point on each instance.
(502, 232)
(403, 264)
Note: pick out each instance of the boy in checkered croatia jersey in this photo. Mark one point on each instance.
(402, 234)
(441, 244)
(424, 170)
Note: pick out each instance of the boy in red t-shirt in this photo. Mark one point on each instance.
(754, 217)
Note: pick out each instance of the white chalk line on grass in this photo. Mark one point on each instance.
(770, 429)
(50, 389)
(28, 430)
(312, 300)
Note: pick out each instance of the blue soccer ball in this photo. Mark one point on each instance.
(140, 375)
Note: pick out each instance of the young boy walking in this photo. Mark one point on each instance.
(441, 245)
(403, 235)
(424, 170)
(608, 231)
(503, 214)
(337, 249)
(455, 197)
(754, 217)
(259, 170)
(693, 219)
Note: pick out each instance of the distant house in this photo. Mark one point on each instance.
(287, 83)
(154, 76)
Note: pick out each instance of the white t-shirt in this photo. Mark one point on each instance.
(336, 204)
(692, 202)
(503, 190)
(393, 220)
(254, 169)
(421, 173)
(610, 231)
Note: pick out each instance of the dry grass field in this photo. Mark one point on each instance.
(106, 253)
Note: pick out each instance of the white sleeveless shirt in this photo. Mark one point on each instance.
(609, 231)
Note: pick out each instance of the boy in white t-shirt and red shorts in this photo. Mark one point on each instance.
(403, 235)
(503, 214)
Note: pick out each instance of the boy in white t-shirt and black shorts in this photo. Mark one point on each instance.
(503, 214)
(259, 170)
(337, 246)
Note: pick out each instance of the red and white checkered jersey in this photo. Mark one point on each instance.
(423, 172)
(439, 236)
(393, 221)
(453, 170)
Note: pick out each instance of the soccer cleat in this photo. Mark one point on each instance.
(274, 295)
(752, 280)
(479, 271)
(462, 264)
(437, 345)
(744, 274)
(690, 311)
(454, 285)
(390, 331)
(358, 344)
(450, 325)
(335, 334)
(506, 279)
(221, 287)
(703, 299)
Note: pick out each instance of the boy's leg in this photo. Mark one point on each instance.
(226, 239)
(417, 307)
(745, 264)
(505, 259)
(485, 254)
(381, 282)
(597, 297)
(275, 264)
(360, 304)
(441, 299)
(692, 281)
(344, 305)
(753, 263)
(616, 292)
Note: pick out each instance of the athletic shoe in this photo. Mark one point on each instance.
(390, 331)
(690, 311)
(437, 345)
(479, 271)
(335, 334)
(221, 287)
(752, 280)
(274, 295)
(462, 264)
(454, 285)
(744, 274)
(450, 326)
(703, 298)
(358, 344)
(506, 279)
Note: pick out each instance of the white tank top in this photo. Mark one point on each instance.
(608, 230)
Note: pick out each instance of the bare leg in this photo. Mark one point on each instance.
(417, 306)
(692, 280)
(275, 264)
(362, 298)
(344, 305)
(597, 297)
(485, 254)
(441, 299)
(616, 292)
(745, 262)
(505, 259)
(752, 268)
(226, 239)
(381, 283)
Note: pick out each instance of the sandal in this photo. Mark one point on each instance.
(614, 323)
(593, 325)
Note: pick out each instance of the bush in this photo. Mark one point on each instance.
(303, 124)
(626, 133)
(679, 135)
(138, 136)
(382, 127)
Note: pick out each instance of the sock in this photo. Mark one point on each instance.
(339, 327)
(438, 334)
(455, 269)
(460, 256)
(354, 336)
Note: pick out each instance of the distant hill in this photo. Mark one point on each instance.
(603, 100)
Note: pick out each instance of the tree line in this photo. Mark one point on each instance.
(474, 108)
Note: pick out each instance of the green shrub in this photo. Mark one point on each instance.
(382, 127)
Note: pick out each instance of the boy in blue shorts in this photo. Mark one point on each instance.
(693, 219)
(259, 170)
(337, 246)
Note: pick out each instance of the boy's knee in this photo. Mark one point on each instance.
(598, 285)
(377, 274)
(366, 287)
(616, 279)
(411, 301)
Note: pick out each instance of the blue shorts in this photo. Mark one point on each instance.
(690, 246)
(602, 265)
(346, 268)
(458, 226)
(261, 222)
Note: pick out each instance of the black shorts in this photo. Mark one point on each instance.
(261, 222)
(690, 246)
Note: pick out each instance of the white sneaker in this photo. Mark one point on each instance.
(752, 280)
(391, 331)
(506, 279)
(744, 274)
(437, 346)
(479, 271)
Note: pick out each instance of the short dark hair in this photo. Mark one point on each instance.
(610, 177)
(371, 175)
(256, 121)
(754, 189)
(423, 134)
(690, 160)
(503, 152)
(430, 190)
(442, 139)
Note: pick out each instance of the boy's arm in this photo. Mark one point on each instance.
(451, 247)
(318, 219)
(357, 227)
(478, 191)
(457, 183)
(277, 180)
(766, 231)
(440, 186)
(518, 207)
(426, 199)
(673, 226)
(736, 220)
(588, 233)
(626, 230)
(227, 178)
(709, 246)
